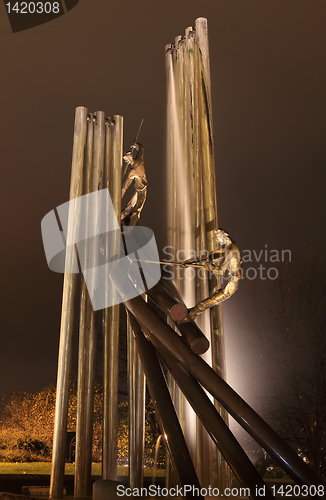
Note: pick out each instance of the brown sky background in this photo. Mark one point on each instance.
(269, 107)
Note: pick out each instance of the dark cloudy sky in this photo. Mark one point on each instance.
(268, 89)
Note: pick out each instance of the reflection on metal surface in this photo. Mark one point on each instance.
(136, 410)
(191, 188)
(157, 448)
(97, 160)
(94, 164)
(111, 315)
(67, 317)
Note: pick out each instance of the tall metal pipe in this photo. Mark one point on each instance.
(88, 332)
(171, 171)
(170, 476)
(113, 164)
(227, 397)
(131, 407)
(67, 316)
(209, 187)
(204, 443)
(168, 420)
(140, 390)
(173, 202)
(181, 234)
(210, 211)
(85, 312)
(136, 410)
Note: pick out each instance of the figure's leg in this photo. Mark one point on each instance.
(130, 206)
(217, 297)
(205, 304)
(134, 207)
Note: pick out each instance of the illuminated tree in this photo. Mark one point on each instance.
(27, 422)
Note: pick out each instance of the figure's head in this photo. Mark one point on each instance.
(222, 237)
(135, 147)
(128, 158)
(136, 150)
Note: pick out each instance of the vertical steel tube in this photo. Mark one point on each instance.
(66, 330)
(173, 202)
(210, 211)
(194, 145)
(136, 411)
(85, 312)
(179, 111)
(170, 477)
(140, 386)
(88, 334)
(170, 171)
(209, 184)
(111, 315)
(131, 407)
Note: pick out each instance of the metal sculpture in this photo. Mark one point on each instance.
(136, 173)
(179, 342)
(225, 259)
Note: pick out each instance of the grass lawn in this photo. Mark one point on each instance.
(45, 468)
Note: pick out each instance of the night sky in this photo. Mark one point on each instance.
(269, 107)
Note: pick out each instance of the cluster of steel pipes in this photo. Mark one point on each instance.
(96, 164)
(192, 214)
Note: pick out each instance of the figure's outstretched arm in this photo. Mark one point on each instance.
(129, 207)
